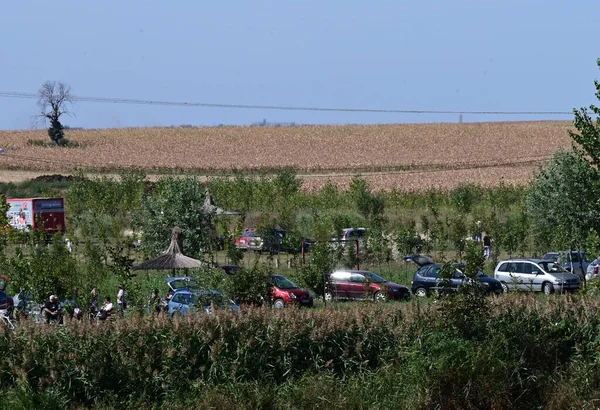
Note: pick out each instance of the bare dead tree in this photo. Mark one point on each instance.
(53, 100)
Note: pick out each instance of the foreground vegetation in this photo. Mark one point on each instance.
(516, 352)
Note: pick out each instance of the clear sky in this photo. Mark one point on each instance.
(464, 55)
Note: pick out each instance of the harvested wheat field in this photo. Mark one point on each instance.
(406, 156)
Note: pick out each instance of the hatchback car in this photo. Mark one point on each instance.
(537, 275)
(427, 278)
(195, 300)
(362, 285)
(573, 261)
(286, 292)
(176, 283)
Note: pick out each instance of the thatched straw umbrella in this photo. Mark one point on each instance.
(172, 259)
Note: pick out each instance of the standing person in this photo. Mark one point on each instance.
(51, 309)
(94, 307)
(154, 303)
(121, 300)
(487, 246)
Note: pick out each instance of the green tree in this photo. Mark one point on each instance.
(175, 202)
(563, 201)
(53, 100)
(588, 136)
(287, 186)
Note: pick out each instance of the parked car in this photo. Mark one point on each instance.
(362, 285)
(229, 269)
(573, 261)
(593, 269)
(243, 241)
(267, 240)
(286, 292)
(176, 283)
(427, 278)
(186, 301)
(538, 275)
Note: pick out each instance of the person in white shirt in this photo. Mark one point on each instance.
(106, 309)
(121, 300)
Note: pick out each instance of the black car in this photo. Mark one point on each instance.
(427, 278)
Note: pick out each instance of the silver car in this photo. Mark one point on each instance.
(593, 269)
(537, 275)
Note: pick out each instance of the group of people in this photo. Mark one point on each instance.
(107, 309)
(53, 313)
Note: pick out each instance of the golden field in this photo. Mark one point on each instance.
(407, 156)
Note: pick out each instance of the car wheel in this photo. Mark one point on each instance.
(278, 304)
(548, 288)
(421, 292)
(328, 297)
(379, 297)
(504, 287)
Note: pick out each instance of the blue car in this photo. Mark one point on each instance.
(194, 300)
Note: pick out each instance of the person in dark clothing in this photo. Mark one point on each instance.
(51, 309)
(154, 304)
(487, 246)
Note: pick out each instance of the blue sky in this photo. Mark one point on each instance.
(463, 55)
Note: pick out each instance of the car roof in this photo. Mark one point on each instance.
(534, 260)
(174, 278)
(354, 271)
(196, 292)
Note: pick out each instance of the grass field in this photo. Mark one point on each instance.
(407, 156)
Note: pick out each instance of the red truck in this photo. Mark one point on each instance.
(37, 213)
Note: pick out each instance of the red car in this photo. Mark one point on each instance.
(286, 292)
(362, 285)
(244, 240)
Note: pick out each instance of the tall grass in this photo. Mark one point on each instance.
(527, 353)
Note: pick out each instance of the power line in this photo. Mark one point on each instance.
(9, 94)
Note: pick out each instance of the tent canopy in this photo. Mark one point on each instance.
(172, 258)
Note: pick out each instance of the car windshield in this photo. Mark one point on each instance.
(551, 267)
(371, 277)
(283, 283)
(207, 299)
(183, 284)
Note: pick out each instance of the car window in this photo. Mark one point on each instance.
(550, 256)
(373, 277)
(575, 257)
(183, 283)
(357, 278)
(340, 277)
(504, 267)
(516, 267)
(176, 299)
(282, 282)
(434, 272)
(551, 267)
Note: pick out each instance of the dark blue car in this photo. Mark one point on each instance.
(427, 278)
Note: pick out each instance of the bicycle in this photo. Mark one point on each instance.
(6, 319)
